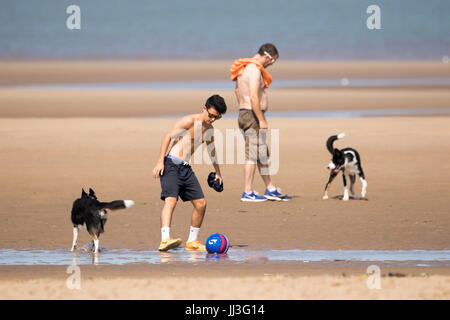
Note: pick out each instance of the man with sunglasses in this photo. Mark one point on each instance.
(176, 175)
(252, 80)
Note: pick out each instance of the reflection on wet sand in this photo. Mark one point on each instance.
(94, 256)
(124, 256)
(189, 256)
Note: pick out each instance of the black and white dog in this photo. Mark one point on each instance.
(90, 213)
(348, 161)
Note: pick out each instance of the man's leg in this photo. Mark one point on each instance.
(263, 168)
(271, 192)
(199, 212)
(166, 219)
(251, 157)
(263, 159)
(196, 222)
(249, 175)
(249, 127)
(167, 211)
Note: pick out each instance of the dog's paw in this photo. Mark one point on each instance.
(345, 198)
(325, 197)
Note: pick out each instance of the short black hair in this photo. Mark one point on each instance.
(269, 48)
(216, 102)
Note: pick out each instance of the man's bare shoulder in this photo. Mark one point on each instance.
(251, 67)
(186, 121)
(252, 71)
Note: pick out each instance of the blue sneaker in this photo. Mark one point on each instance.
(252, 197)
(276, 195)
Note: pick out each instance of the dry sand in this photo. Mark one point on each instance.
(275, 287)
(250, 280)
(44, 163)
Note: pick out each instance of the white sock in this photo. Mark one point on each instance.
(193, 234)
(165, 233)
(272, 189)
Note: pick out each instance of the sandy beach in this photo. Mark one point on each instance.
(249, 282)
(55, 142)
(25, 102)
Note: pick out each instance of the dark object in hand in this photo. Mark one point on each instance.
(215, 183)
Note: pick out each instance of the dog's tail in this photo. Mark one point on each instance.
(331, 140)
(117, 204)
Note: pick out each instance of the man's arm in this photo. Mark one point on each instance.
(255, 86)
(211, 147)
(178, 130)
(236, 92)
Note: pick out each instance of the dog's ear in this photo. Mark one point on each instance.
(91, 192)
(83, 193)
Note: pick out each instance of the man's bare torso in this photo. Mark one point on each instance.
(251, 73)
(185, 144)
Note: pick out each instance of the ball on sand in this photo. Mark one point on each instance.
(217, 243)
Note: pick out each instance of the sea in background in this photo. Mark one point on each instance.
(206, 29)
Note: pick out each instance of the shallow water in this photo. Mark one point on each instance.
(356, 113)
(353, 113)
(229, 85)
(122, 257)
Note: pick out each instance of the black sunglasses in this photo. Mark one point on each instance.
(212, 116)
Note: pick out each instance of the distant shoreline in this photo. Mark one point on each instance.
(41, 72)
(26, 102)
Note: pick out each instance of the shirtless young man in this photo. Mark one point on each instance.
(252, 80)
(176, 175)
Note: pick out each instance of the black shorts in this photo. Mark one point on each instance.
(179, 180)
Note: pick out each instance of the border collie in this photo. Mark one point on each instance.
(90, 213)
(348, 161)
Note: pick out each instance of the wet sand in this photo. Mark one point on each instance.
(46, 162)
(22, 102)
(75, 143)
(33, 72)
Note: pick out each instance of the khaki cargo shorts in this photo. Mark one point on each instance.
(256, 149)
